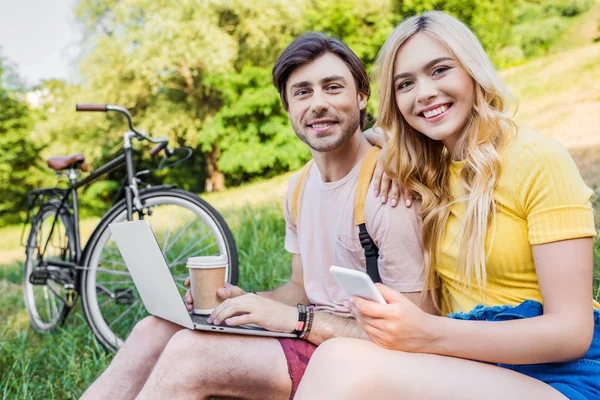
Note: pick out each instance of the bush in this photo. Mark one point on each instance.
(536, 37)
(509, 56)
(569, 8)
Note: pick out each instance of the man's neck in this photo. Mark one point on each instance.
(336, 164)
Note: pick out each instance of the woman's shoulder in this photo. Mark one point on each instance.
(527, 146)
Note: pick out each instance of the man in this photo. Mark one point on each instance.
(324, 88)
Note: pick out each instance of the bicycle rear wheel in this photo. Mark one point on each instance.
(184, 225)
(45, 303)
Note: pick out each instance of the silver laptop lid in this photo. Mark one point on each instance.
(150, 272)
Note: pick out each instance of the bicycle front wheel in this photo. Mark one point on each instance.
(184, 225)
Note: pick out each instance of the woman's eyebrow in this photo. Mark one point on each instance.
(427, 66)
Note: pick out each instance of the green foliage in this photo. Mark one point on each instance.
(537, 36)
(569, 8)
(18, 154)
(490, 19)
(198, 72)
(253, 131)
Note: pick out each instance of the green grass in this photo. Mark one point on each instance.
(62, 364)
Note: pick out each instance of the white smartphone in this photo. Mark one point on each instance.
(356, 283)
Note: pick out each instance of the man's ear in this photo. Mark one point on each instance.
(362, 100)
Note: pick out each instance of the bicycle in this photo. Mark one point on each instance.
(57, 271)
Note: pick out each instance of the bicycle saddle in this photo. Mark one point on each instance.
(61, 162)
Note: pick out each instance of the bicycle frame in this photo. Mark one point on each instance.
(70, 196)
(132, 198)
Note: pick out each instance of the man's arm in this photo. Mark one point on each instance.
(327, 326)
(291, 292)
(266, 312)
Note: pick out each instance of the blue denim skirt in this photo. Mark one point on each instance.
(578, 380)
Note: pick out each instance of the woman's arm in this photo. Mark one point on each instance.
(563, 333)
(383, 185)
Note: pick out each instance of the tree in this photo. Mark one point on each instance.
(18, 155)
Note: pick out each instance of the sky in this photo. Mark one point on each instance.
(41, 37)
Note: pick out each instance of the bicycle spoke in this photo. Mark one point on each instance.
(54, 308)
(105, 302)
(124, 312)
(178, 263)
(165, 251)
(112, 262)
(46, 300)
(166, 240)
(187, 249)
(114, 282)
(113, 271)
(187, 255)
(112, 251)
(112, 295)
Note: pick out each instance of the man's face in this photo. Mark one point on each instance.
(324, 104)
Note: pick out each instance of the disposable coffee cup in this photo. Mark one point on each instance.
(207, 275)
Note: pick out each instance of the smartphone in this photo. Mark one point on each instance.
(356, 283)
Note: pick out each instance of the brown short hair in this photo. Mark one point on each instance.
(307, 48)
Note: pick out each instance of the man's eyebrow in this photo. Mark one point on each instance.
(332, 79)
(427, 66)
(302, 84)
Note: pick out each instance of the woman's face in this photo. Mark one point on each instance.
(433, 91)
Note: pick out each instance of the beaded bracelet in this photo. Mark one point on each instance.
(309, 320)
(301, 324)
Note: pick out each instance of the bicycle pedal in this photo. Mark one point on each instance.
(70, 295)
(39, 276)
(124, 297)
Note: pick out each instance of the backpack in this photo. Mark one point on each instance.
(364, 180)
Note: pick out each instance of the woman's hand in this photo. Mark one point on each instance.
(398, 325)
(382, 184)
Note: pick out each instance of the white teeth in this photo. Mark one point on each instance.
(323, 125)
(437, 111)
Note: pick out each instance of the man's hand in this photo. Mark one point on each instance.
(253, 309)
(227, 292)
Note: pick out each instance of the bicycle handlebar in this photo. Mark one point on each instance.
(90, 107)
(111, 107)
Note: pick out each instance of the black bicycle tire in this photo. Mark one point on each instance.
(66, 219)
(117, 209)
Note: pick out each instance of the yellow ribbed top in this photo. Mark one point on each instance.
(540, 198)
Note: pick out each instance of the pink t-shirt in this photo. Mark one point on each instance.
(326, 235)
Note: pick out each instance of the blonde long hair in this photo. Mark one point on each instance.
(422, 165)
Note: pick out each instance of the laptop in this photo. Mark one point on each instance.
(156, 286)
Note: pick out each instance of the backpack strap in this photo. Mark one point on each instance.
(362, 188)
(364, 181)
(298, 189)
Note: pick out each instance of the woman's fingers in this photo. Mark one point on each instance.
(377, 175)
(369, 308)
(390, 295)
(187, 282)
(386, 182)
(394, 193)
(408, 197)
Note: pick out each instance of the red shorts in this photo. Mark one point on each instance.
(297, 353)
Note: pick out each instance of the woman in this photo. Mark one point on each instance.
(507, 227)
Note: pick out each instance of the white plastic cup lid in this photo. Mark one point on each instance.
(207, 261)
